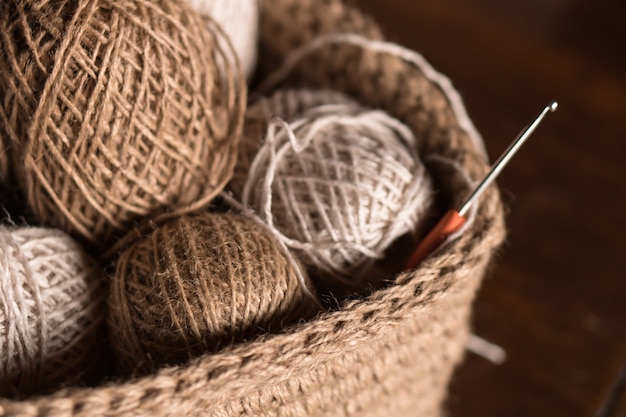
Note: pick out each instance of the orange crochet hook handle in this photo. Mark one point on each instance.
(454, 219)
(450, 223)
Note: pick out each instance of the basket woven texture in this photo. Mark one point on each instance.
(390, 353)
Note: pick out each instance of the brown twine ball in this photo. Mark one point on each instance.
(115, 111)
(337, 182)
(199, 283)
(51, 312)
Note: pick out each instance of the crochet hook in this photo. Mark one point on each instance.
(454, 219)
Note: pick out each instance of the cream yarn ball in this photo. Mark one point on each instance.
(51, 312)
(337, 182)
(239, 19)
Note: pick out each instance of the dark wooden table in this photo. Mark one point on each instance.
(556, 298)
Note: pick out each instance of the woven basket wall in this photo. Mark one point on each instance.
(389, 354)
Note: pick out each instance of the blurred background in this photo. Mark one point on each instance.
(555, 298)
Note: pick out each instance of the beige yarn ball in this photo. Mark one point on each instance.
(198, 284)
(114, 111)
(339, 183)
(239, 19)
(51, 312)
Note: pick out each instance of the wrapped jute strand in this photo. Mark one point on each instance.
(117, 111)
(338, 184)
(240, 21)
(198, 284)
(52, 313)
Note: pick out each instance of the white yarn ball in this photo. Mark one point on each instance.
(337, 182)
(51, 311)
(239, 19)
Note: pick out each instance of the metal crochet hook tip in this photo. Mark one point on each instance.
(453, 220)
(506, 156)
(553, 106)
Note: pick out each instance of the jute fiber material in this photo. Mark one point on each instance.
(288, 104)
(338, 182)
(52, 312)
(389, 353)
(114, 111)
(198, 284)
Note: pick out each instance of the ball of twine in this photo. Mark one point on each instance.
(116, 111)
(199, 283)
(240, 21)
(286, 104)
(338, 182)
(51, 312)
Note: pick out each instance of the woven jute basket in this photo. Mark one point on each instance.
(390, 353)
